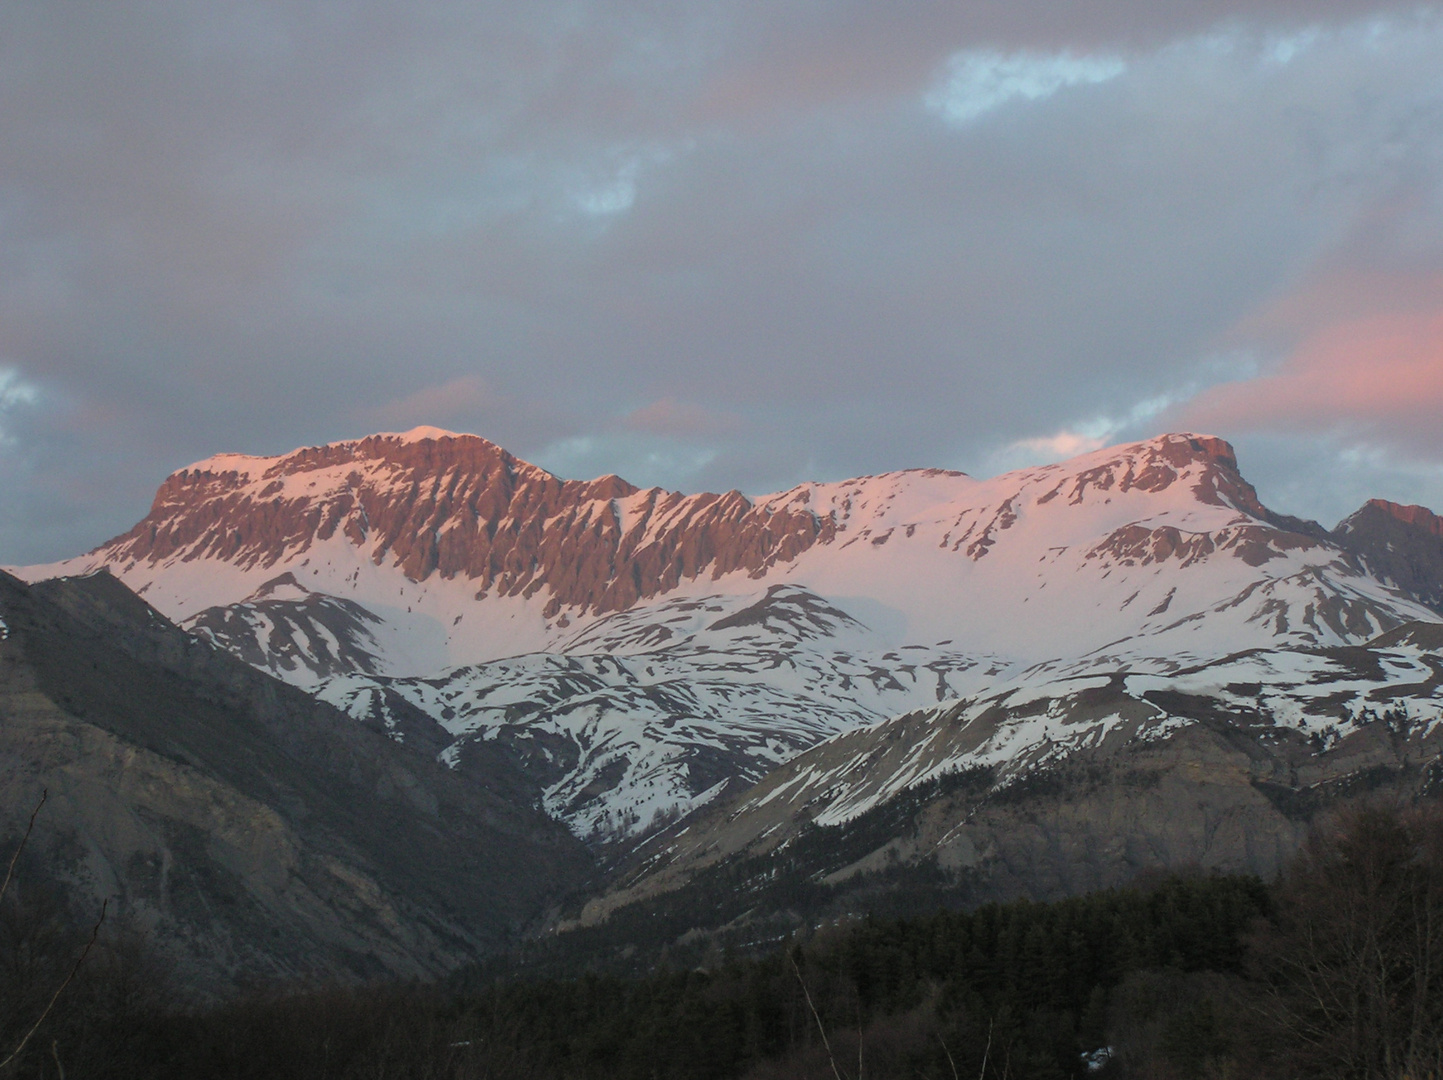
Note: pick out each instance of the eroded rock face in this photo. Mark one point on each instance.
(457, 505)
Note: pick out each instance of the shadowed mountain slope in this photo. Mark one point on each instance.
(257, 832)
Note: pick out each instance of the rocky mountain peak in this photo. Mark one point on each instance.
(1155, 464)
(1418, 517)
(1402, 544)
(1187, 446)
(465, 552)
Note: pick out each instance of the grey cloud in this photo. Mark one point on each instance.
(255, 226)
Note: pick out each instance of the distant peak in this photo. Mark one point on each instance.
(284, 587)
(1175, 450)
(1420, 517)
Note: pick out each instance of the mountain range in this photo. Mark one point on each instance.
(1034, 683)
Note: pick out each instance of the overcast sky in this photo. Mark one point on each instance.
(715, 245)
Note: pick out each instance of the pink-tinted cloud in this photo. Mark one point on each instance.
(679, 420)
(1377, 376)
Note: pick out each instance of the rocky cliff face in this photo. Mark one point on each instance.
(457, 506)
(455, 552)
(432, 502)
(255, 832)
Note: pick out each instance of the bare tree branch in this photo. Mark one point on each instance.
(10, 870)
(816, 1016)
(948, 1052)
(94, 933)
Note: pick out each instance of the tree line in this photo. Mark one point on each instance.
(1334, 970)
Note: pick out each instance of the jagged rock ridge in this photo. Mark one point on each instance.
(1402, 544)
(459, 506)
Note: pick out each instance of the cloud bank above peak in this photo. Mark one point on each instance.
(716, 246)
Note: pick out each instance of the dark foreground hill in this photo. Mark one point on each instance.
(251, 832)
(1330, 973)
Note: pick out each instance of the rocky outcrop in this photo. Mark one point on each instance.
(1157, 466)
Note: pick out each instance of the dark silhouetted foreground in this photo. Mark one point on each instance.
(1335, 971)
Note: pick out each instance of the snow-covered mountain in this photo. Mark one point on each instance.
(635, 650)
(1051, 783)
(1025, 724)
(646, 715)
